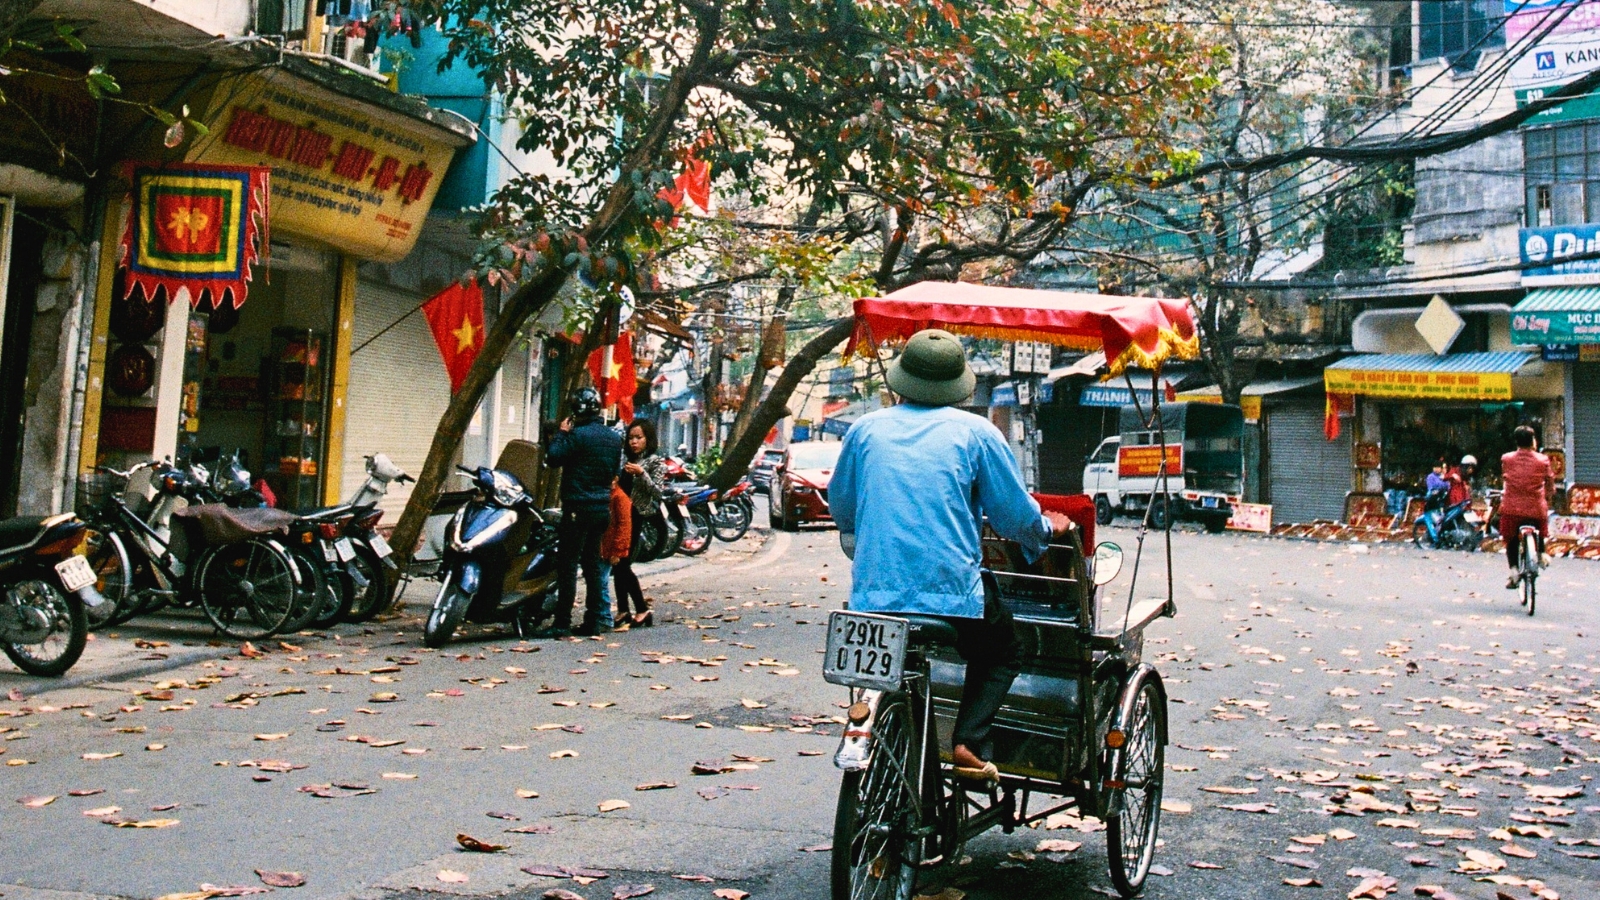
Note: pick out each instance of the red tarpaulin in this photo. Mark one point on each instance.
(1141, 331)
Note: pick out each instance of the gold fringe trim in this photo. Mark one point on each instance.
(1170, 345)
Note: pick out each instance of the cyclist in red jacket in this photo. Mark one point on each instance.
(1529, 485)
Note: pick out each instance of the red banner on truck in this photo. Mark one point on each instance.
(1145, 462)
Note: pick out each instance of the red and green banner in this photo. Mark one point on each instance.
(196, 227)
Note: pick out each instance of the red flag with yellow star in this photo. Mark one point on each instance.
(622, 381)
(455, 315)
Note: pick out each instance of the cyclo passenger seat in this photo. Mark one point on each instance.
(929, 631)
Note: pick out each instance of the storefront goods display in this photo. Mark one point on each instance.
(198, 228)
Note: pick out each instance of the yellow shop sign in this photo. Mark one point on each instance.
(1419, 385)
(352, 175)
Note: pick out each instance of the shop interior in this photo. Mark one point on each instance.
(1415, 435)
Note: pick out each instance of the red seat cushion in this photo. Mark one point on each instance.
(1077, 507)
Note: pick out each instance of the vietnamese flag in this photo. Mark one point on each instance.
(618, 385)
(455, 315)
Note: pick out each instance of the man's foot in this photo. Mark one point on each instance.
(552, 632)
(590, 630)
(970, 767)
(1513, 581)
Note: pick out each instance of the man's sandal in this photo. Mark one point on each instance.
(987, 772)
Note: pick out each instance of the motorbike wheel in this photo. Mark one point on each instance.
(731, 522)
(652, 540)
(340, 589)
(315, 592)
(372, 599)
(1422, 538)
(449, 608)
(696, 534)
(65, 622)
(672, 536)
(114, 576)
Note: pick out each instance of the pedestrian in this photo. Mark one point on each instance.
(589, 455)
(644, 473)
(1436, 488)
(1529, 484)
(614, 547)
(1460, 479)
(912, 486)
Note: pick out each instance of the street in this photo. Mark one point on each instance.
(1370, 720)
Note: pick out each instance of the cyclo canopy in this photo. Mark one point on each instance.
(1137, 331)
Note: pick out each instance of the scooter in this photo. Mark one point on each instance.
(1440, 527)
(499, 560)
(47, 593)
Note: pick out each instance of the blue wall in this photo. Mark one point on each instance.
(475, 171)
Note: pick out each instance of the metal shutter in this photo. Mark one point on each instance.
(1585, 466)
(1307, 474)
(398, 390)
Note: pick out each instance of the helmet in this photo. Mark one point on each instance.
(1469, 460)
(586, 403)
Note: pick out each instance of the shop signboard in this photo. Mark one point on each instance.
(1145, 462)
(1003, 395)
(1524, 17)
(1585, 107)
(1542, 250)
(1251, 517)
(1249, 403)
(1419, 385)
(1112, 395)
(1569, 326)
(1556, 59)
(1558, 352)
(356, 177)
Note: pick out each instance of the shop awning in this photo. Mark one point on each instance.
(1423, 376)
(1560, 315)
(1250, 396)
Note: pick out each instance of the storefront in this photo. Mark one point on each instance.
(1565, 321)
(1410, 410)
(353, 172)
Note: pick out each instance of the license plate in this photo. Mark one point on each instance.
(865, 651)
(1208, 502)
(345, 550)
(75, 573)
(328, 554)
(380, 545)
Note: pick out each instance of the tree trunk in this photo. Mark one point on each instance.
(736, 459)
(535, 294)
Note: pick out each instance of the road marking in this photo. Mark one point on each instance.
(780, 546)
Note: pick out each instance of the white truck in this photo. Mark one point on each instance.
(1205, 465)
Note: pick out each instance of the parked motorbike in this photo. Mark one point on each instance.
(692, 526)
(48, 591)
(499, 560)
(732, 511)
(1444, 527)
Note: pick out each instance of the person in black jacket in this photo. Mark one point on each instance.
(590, 457)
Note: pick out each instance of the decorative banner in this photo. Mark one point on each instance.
(455, 316)
(1251, 517)
(1420, 385)
(195, 227)
(1145, 462)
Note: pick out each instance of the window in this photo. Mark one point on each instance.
(1562, 174)
(1459, 30)
(1107, 453)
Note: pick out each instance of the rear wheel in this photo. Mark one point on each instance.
(731, 521)
(652, 537)
(1422, 537)
(1131, 832)
(1103, 511)
(367, 601)
(54, 627)
(316, 594)
(1530, 570)
(113, 575)
(696, 534)
(248, 590)
(1160, 513)
(874, 858)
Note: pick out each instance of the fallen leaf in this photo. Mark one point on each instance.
(1302, 882)
(525, 794)
(37, 802)
(101, 812)
(451, 876)
(560, 894)
(96, 757)
(655, 786)
(280, 879)
(747, 703)
(145, 823)
(564, 754)
(473, 845)
(1219, 789)
(535, 828)
(1058, 846)
(629, 891)
(1198, 864)
(730, 894)
(509, 817)
(399, 776)
(1518, 852)
(1177, 807)
(612, 805)
(1341, 834)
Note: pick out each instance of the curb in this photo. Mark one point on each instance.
(678, 561)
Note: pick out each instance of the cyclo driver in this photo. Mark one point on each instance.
(913, 484)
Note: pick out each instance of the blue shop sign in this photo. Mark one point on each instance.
(1542, 250)
(1110, 395)
(1003, 395)
(1558, 352)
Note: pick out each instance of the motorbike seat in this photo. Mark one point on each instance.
(221, 524)
(929, 630)
(20, 531)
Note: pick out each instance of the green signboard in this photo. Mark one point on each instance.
(1555, 327)
(1585, 107)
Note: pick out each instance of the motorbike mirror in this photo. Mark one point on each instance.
(1107, 562)
(847, 543)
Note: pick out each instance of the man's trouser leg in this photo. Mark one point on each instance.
(594, 597)
(989, 646)
(568, 552)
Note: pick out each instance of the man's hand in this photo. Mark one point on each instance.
(1060, 525)
(566, 424)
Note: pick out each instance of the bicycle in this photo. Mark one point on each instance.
(1528, 565)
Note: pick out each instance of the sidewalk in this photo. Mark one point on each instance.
(172, 639)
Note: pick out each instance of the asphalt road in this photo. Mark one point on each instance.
(1310, 681)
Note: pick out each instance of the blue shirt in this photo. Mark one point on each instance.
(1436, 482)
(913, 483)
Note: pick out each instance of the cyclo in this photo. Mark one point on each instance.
(1085, 723)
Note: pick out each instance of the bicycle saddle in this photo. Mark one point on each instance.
(930, 630)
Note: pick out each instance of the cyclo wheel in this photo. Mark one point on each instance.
(1131, 832)
(1530, 570)
(874, 857)
(248, 590)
